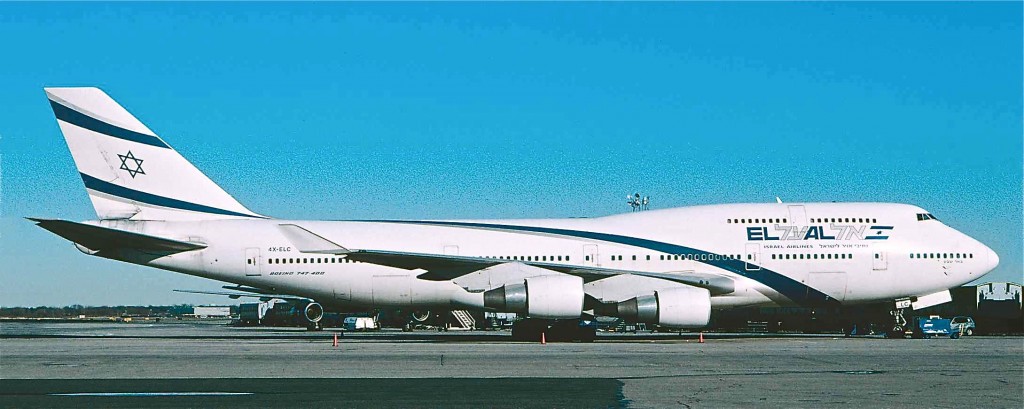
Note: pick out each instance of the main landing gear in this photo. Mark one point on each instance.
(572, 330)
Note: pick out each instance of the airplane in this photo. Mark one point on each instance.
(668, 267)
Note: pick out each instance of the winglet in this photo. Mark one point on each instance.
(308, 242)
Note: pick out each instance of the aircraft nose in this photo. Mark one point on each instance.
(993, 259)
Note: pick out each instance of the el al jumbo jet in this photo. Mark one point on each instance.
(667, 267)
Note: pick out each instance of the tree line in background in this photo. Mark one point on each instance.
(74, 311)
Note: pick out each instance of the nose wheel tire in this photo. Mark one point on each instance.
(899, 324)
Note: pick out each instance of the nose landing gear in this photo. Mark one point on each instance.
(899, 327)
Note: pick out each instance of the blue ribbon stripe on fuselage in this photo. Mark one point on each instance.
(788, 287)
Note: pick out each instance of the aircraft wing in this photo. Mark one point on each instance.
(236, 295)
(448, 267)
(99, 238)
(443, 267)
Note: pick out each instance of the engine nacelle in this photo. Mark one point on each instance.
(554, 296)
(683, 307)
(313, 312)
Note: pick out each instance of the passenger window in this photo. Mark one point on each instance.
(634, 257)
(773, 257)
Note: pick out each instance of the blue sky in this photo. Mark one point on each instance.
(516, 110)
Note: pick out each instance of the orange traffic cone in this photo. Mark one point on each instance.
(335, 339)
(543, 340)
(701, 339)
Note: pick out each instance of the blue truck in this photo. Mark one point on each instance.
(927, 327)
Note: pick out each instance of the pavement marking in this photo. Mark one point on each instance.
(135, 394)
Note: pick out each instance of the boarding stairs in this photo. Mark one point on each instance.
(464, 319)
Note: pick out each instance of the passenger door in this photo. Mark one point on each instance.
(797, 215)
(590, 255)
(252, 261)
(878, 261)
(752, 256)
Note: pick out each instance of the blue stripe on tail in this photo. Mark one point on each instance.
(149, 198)
(76, 118)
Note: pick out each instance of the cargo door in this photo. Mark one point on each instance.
(252, 261)
(832, 283)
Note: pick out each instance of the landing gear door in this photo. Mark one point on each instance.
(878, 261)
(752, 257)
(252, 261)
(590, 255)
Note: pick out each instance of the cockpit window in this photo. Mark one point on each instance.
(925, 216)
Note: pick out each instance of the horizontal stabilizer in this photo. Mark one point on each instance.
(102, 238)
(308, 242)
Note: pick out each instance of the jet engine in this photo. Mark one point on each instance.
(313, 312)
(553, 296)
(682, 307)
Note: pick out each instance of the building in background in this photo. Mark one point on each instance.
(211, 311)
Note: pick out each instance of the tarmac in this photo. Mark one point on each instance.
(172, 364)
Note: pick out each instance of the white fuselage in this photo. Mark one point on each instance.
(775, 254)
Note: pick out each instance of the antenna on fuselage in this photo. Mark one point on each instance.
(638, 203)
(778, 200)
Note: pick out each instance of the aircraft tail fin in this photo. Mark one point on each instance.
(129, 171)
